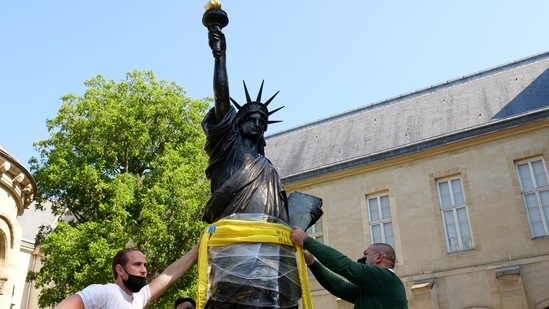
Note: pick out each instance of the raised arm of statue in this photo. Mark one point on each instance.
(218, 45)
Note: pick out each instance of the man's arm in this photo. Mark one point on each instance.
(72, 302)
(367, 277)
(358, 274)
(171, 274)
(334, 284)
(331, 282)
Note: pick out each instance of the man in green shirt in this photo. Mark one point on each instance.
(371, 282)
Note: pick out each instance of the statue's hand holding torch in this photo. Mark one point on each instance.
(216, 40)
(215, 19)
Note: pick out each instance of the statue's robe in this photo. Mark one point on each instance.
(245, 185)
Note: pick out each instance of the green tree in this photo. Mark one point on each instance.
(124, 167)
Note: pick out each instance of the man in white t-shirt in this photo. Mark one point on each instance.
(131, 290)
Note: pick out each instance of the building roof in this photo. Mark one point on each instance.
(33, 219)
(489, 100)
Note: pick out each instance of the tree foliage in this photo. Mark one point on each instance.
(124, 167)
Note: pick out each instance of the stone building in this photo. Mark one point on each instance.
(17, 190)
(454, 176)
(30, 254)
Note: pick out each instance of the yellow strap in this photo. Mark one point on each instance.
(225, 232)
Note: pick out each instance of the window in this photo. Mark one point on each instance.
(534, 187)
(315, 231)
(381, 226)
(454, 215)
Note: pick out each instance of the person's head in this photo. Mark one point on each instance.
(254, 112)
(253, 125)
(129, 268)
(379, 254)
(184, 303)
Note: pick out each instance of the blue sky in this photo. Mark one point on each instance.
(325, 57)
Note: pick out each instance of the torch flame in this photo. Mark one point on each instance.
(213, 4)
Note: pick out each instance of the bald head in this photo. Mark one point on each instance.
(386, 251)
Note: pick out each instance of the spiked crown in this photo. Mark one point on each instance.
(255, 106)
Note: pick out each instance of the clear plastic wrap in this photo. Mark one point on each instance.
(253, 274)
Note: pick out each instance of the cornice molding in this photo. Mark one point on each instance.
(15, 178)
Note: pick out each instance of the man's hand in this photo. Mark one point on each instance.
(309, 257)
(298, 236)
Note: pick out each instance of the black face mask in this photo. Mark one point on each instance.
(134, 283)
(362, 260)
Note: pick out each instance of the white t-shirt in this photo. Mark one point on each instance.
(111, 296)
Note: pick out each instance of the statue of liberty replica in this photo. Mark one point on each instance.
(245, 187)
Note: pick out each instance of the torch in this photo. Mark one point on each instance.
(215, 19)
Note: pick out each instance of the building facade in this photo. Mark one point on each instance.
(30, 254)
(454, 176)
(17, 190)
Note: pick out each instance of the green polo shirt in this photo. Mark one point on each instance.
(367, 286)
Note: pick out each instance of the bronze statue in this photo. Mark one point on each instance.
(245, 186)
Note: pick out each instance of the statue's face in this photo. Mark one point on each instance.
(253, 126)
